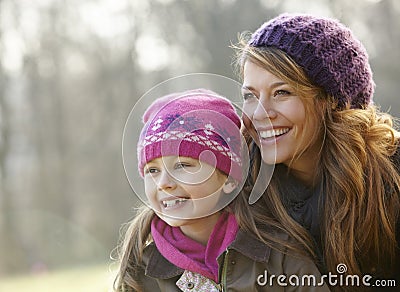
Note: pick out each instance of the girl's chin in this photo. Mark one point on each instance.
(178, 217)
(173, 222)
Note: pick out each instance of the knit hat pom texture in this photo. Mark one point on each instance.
(328, 52)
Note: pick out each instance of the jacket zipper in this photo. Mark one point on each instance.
(224, 271)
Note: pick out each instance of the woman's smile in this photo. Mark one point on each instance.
(275, 116)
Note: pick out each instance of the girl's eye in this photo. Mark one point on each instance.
(181, 165)
(150, 170)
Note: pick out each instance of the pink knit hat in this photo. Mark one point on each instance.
(197, 123)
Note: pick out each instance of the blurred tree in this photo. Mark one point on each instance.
(10, 249)
(382, 19)
(85, 64)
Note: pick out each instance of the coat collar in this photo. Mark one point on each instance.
(159, 267)
(251, 247)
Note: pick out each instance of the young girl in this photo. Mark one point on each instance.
(189, 155)
(307, 89)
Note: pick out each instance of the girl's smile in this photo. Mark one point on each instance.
(182, 188)
(173, 203)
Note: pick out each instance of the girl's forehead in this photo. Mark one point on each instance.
(171, 158)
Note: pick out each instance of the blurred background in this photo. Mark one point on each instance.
(71, 71)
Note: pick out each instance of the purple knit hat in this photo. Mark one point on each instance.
(327, 51)
(197, 123)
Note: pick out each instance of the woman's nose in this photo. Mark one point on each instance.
(264, 111)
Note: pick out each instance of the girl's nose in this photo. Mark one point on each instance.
(166, 182)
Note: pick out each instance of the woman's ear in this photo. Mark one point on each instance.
(229, 186)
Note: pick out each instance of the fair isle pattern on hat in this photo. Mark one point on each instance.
(327, 51)
(203, 140)
(192, 124)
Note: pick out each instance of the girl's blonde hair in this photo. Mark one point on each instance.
(130, 251)
(360, 183)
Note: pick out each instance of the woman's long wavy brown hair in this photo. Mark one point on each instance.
(360, 182)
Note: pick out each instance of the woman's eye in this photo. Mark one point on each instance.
(248, 95)
(281, 92)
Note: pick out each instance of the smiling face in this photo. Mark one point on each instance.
(182, 190)
(275, 117)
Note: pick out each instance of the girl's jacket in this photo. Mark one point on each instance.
(246, 265)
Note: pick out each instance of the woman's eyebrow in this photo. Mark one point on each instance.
(272, 85)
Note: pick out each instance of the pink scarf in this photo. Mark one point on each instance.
(189, 254)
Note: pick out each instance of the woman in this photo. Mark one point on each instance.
(307, 90)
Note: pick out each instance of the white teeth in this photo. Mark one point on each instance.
(273, 133)
(171, 203)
